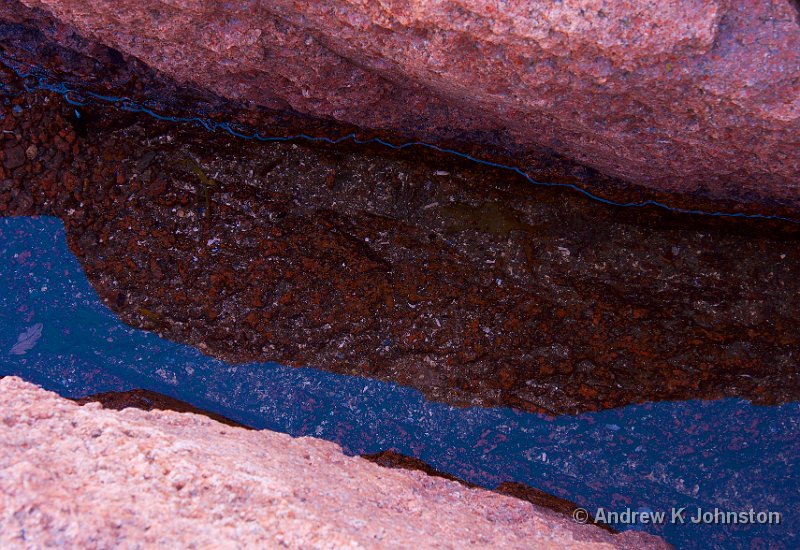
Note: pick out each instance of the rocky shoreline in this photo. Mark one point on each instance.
(415, 268)
(497, 268)
(101, 478)
(698, 97)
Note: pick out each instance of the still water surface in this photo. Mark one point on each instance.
(725, 454)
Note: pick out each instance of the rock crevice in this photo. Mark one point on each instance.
(179, 479)
(694, 96)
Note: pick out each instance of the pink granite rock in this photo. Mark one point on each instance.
(84, 477)
(681, 95)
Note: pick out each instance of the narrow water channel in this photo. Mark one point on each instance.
(726, 454)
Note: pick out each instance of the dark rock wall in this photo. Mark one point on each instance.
(695, 96)
(406, 266)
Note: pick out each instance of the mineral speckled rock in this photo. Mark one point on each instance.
(684, 95)
(412, 268)
(171, 479)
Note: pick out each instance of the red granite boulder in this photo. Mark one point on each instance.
(681, 95)
(84, 477)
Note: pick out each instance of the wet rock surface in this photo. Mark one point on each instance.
(407, 266)
(695, 96)
(727, 453)
(417, 268)
(224, 487)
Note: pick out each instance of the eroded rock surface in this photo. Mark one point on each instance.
(418, 269)
(89, 477)
(686, 95)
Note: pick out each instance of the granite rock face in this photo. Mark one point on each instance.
(694, 96)
(87, 477)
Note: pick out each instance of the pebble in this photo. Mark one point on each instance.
(15, 157)
(31, 152)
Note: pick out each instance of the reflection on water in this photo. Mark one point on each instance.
(726, 454)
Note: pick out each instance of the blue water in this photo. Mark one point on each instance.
(727, 454)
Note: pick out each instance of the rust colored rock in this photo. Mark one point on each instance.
(470, 287)
(88, 477)
(694, 96)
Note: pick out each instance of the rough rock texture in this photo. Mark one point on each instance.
(412, 268)
(87, 477)
(392, 459)
(686, 95)
(149, 400)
